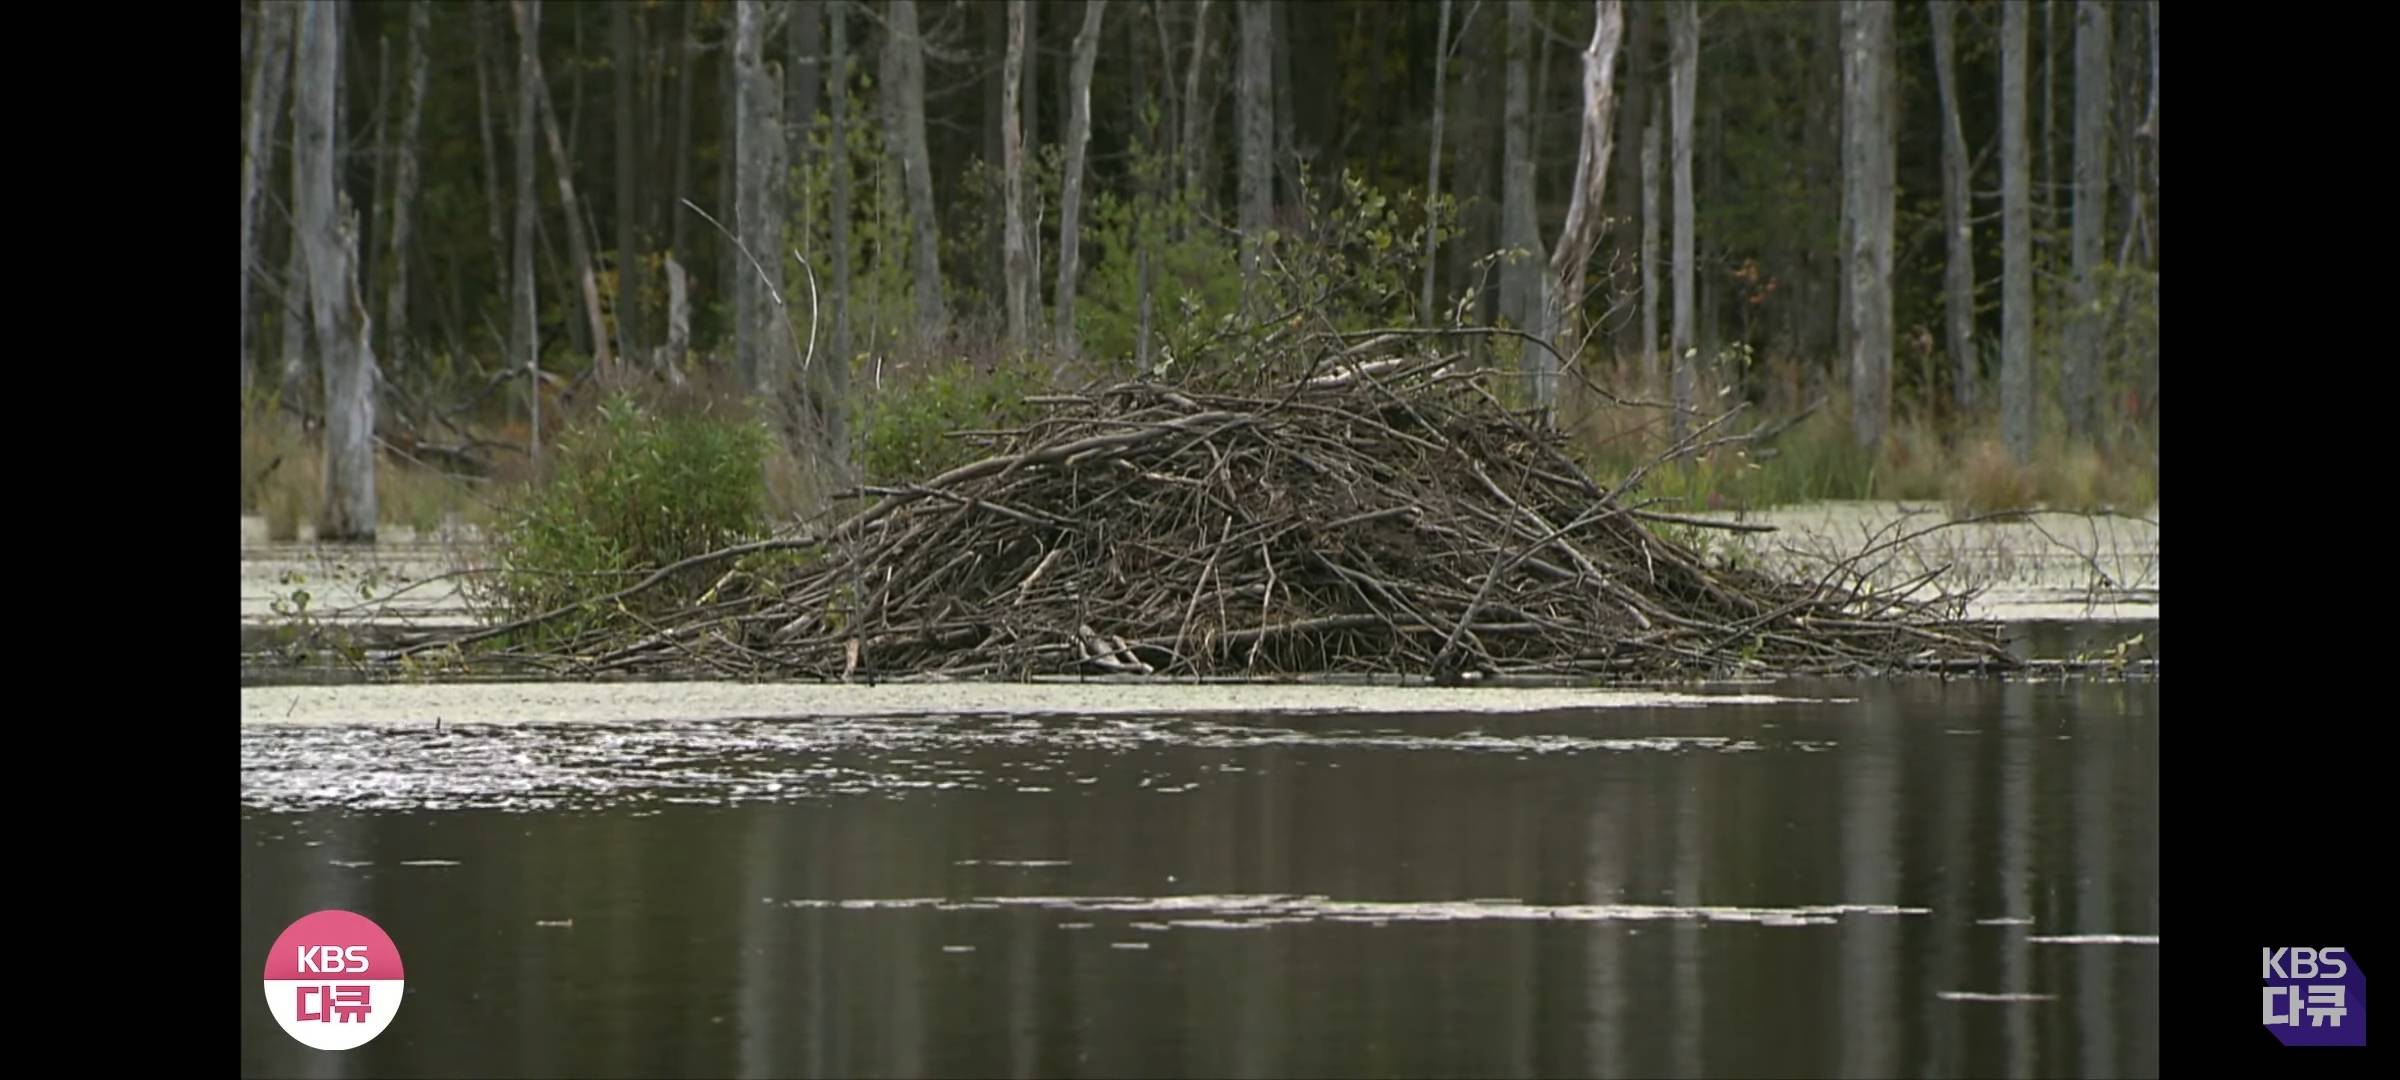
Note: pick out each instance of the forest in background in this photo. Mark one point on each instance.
(1918, 240)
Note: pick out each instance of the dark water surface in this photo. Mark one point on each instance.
(1835, 886)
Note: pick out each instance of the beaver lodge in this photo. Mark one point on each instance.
(1384, 518)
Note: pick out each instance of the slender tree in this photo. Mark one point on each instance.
(404, 192)
(2082, 370)
(1520, 281)
(1650, 185)
(328, 231)
(1683, 32)
(562, 164)
(1199, 114)
(837, 97)
(271, 63)
(2016, 232)
(1256, 93)
(1867, 184)
(1018, 277)
(1631, 220)
(1562, 288)
(1958, 277)
(1433, 163)
(904, 89)
(1079, 133)
(628, 138)
(763, 338)
(524, 347)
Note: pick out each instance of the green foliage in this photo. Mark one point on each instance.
(882, 298)
(1355, 261)
(907, 427)
(628, 492)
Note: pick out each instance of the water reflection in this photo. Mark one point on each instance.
(1748, 890)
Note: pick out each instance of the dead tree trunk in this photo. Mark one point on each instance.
(762, 340)
(1631, 221)
(1958, 212)
(2016, 242)
(1433, 164)
(2083, 359)
(404, 190)
(630, 322)
(1256, 95)
(328, 231)
(1079, 136)
(904, 78)
(1562, 287)
(1683, 32)
(1019, 274)
(562, 163)
(523, 345)
(837, 97)
(1867, 182)
(1519, 279)
(271, 64)
(1199, 115)
(1650, 185)
(489, 85)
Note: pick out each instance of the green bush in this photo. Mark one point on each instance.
(907, 429)
(627, 492)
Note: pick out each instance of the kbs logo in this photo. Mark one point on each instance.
(333, 980)
(2315, 997)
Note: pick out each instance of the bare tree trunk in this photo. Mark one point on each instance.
(2016, 231)
(1580, 234)
(1477, 209)
(292, 383)
(328, 232)
(523, 345)
(1631, 221)
(1958, 213)
(2150, 129)
(1433, 164)
(630, 322)
(1650, 185)
(371, 219)
(1018, 275)
(562, 163)
(904, 78)
(1868, 180)
(1199, 115)
(1821, 301)
(1079, 135)
(804, 39)
(404, 193)
(837, 96)
(687, 75)
(1683, 32)
(271, 65)
(490, 84)
(2082, 374)
(1256, 97)
(1520, 276)
(762, 339)
(679, 322)
(1287, 156)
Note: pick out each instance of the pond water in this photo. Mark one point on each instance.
(1812, 878)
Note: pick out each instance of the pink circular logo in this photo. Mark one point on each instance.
(333, 980)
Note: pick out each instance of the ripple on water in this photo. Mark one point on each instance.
(584, 766)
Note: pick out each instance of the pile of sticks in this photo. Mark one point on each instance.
(1388, 518)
